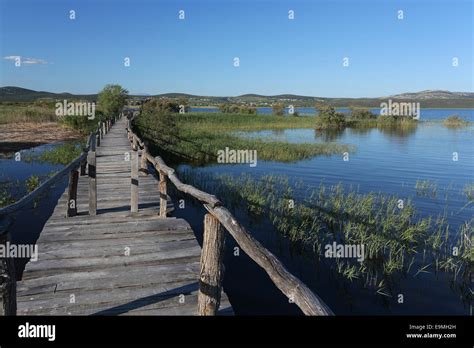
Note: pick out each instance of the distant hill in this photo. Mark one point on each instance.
(427, 99)
(434, 94)
(18, 94)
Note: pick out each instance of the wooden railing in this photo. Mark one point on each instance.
(212, 269)
(86, 160)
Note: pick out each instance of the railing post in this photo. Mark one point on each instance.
(83, 167)
(92, 171)
(143, 164)
(212, 267)
(163, 195)
(104, 129)
(134, 178)
(7, 273)
(72, 193)
(134, 143)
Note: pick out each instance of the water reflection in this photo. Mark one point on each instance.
(328, 135)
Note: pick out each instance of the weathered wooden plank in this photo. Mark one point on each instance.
(115, 262)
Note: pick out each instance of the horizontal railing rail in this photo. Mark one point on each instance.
(212, 268)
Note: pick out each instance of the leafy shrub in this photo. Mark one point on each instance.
(328, 118)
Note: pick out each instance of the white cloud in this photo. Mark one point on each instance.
(26, 60)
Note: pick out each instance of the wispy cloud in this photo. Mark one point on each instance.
(26, 60)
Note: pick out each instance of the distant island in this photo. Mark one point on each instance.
(427, 99)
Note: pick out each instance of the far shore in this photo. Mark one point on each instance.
(18, 136)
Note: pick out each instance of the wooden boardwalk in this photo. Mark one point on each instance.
(115, 262)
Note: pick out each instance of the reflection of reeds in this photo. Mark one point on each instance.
(392, 236)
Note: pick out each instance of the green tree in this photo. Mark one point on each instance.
(361, 114)
(112, 99)
(157, 117)
(327, 117)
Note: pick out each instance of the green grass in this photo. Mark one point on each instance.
(44, 111)
(5, 198)
(61, 154)
(212, 122)
(26, 112)
(393, 237)
(199, 136)
(32, 183)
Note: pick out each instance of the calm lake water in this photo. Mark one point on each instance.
(383, 161)
(426, 114)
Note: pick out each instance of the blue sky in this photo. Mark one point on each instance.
(277, 55)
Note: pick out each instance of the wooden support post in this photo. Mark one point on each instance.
(100, 130)
(83, 168)
(134, 143)
(92, 170)
(104, 129)
(143, 164)
(163, 195)
(134, 182)
(212, 267)
(72, 193)
(7, 273)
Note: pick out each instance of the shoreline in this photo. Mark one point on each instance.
(25, 135)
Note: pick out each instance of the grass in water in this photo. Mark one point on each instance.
(454, 121)
(32, 183)
(198, 137)
(61, 154)
(426, 188)
(5, 198)
(469, 192)
(393, 236)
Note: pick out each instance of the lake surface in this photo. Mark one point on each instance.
(383, 161)
(29, 221)
(425, 114)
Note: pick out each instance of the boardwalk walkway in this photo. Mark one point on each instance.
(116, 262)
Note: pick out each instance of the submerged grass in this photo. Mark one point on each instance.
(61, 154)
(469, 192)
(426, 188)
(394, 235)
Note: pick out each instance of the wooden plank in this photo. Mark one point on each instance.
(115, 262)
